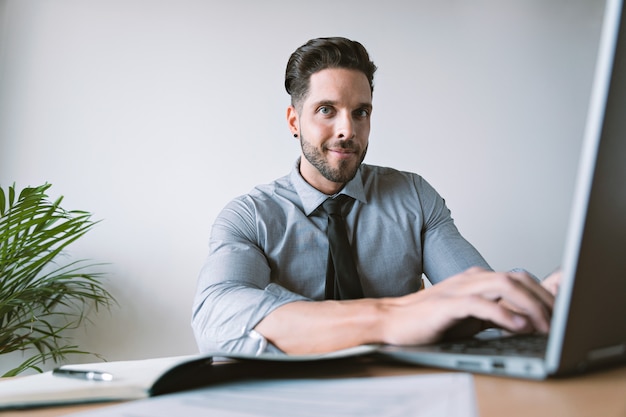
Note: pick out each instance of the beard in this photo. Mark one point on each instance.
(346, 170)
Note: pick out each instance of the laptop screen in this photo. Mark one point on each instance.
(592, 294)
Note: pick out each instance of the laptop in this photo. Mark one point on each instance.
(588, 328)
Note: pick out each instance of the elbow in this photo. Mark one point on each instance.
(218, 336)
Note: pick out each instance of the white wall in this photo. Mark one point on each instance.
(152, 114)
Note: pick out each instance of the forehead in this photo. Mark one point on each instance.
(339, 85)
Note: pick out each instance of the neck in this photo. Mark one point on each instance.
(316, 180)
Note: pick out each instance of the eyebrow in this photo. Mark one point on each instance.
(364, 105)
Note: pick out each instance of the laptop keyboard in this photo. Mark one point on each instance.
(518, 345)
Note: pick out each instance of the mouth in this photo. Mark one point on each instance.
(343, 150)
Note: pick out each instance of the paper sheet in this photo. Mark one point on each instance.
(431, 395)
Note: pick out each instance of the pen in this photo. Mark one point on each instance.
(80, 374)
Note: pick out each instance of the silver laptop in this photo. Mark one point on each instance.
(588, 328)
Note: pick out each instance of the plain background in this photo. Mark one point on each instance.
(153, 114)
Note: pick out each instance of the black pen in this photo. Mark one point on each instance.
(83, 374)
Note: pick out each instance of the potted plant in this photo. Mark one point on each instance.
(42, 293)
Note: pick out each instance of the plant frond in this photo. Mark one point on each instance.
(35, 361)
(40, 296)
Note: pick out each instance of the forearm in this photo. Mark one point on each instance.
(304, 327)
(512, 301)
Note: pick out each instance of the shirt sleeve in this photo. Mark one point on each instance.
(234, 290)
(445, 251)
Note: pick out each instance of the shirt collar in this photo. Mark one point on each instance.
(312, 198)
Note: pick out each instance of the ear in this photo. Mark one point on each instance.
(293, 120)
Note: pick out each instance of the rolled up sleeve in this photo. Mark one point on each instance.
(234, 290)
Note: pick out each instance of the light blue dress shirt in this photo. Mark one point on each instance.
(269, 248)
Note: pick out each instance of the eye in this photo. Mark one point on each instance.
(325, 110)
(362, 113)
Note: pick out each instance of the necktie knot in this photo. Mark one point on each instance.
(333, 206)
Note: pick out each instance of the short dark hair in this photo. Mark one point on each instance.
(322, 53)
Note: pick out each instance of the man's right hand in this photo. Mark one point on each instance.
(512, 301)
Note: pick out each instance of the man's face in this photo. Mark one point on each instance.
(333, 124)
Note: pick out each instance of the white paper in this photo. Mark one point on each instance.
(430, 395)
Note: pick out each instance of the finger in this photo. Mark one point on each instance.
(480, 282)
(500, 316)
(552, 282)
(545, 297)
(518, 295)
(494, 285)
(535, 287)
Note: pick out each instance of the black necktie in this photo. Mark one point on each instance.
(342, 280)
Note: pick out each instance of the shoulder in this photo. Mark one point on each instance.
(374, 175)
(262, 199)
(389, 187)
(265, 207)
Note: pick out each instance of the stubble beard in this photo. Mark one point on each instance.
(343, 173)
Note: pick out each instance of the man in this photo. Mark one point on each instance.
(265, 287)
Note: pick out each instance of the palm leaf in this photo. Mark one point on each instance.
(41, 296)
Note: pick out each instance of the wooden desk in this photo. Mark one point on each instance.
(597, 394)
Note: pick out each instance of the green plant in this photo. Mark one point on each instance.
(42, 297)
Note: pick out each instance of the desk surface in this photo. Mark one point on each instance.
(596, 394)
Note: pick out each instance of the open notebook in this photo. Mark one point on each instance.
(588, 326)
(137, 379)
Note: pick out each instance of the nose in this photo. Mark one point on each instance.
(346, 128)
